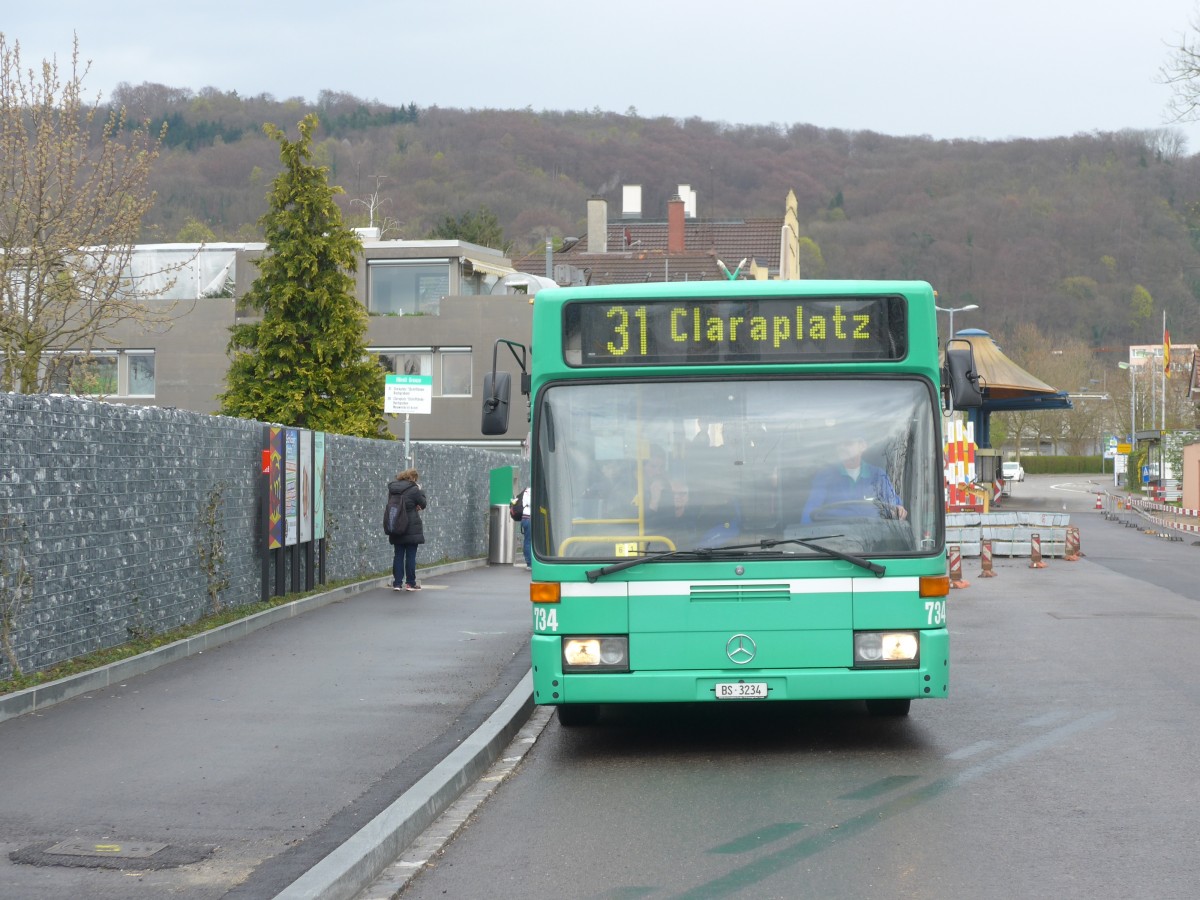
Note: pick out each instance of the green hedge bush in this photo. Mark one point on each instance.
(1066, 465)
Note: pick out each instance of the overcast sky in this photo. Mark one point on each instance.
(943, 68)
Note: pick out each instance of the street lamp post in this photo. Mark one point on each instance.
(952, 311)
(1132, 400)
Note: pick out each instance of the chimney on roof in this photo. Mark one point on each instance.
(597, 225)
(675, 225)
(631, 201)
(689, 200)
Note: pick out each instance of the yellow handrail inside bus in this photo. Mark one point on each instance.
(615, 539)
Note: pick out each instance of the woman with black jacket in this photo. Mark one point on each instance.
(404, 559)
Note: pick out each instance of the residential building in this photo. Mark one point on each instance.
(629, 249)
(436, 307)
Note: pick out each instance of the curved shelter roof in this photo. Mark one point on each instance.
(1002, 378)
(1006, 386)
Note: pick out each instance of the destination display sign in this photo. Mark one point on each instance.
(704, 331)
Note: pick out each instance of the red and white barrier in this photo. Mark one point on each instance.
(985, 560)
(1035, 552)
(954, 555)
(1073, 552)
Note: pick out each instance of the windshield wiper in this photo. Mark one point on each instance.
(702, 553)
(768, 543)
(838, 554)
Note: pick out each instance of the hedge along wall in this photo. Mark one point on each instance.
(105, 510)
(1066, 465)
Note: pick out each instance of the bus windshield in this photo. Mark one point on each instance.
(632, 468)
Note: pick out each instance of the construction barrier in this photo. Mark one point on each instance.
(954, 555)
(1035, 552)
(985, 559)
(1073, 551)
(1009, 532)
(1176, 518)
(959, 451)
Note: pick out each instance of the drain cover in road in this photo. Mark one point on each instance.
(108, 853)
(106, 849)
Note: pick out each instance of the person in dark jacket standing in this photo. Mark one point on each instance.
(404, 559)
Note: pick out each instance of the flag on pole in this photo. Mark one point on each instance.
(1166, 352)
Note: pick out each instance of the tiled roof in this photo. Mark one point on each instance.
(637, 251)
(632, 268)
(731, 241)
(644, 266)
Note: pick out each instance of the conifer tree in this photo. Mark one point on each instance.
(305, 363)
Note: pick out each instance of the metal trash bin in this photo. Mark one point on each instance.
(500, 536)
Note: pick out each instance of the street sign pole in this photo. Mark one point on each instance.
(408, 394)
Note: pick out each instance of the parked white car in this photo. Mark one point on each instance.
(1012, 471)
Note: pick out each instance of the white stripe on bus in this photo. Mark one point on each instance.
(871, 585)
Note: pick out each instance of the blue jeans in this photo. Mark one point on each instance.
(404, 564)
(527, 534)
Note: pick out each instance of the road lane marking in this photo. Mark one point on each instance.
(741, 878)
(971, 750)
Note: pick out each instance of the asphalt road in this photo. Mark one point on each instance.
(1062, 765)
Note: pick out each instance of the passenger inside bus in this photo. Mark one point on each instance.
(656, 488)
(674, 519)
(608, 495)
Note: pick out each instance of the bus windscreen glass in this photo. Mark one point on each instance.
(634, 467)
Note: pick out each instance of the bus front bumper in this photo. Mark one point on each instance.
(551, 686)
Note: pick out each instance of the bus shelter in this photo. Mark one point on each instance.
(1006, 386)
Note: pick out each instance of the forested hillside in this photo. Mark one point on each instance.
(1089, 237)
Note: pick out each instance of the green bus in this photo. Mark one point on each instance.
(737, 492)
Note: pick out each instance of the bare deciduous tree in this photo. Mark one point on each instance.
(1067, 364)
(1182, 73)
(75, 188)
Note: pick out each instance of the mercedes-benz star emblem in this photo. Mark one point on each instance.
(740, 649)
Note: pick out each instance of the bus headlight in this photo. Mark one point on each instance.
(876, 649)
(595, 654)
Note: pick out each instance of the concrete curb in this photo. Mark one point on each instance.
(18, 703)
(350, 868)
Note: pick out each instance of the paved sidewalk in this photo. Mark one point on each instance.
(235, 770)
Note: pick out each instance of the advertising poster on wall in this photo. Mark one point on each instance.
(275, 491)
(306, 487)
(291, 485)
(319, 486)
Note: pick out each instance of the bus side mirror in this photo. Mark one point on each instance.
(961, 381)
(497, 388)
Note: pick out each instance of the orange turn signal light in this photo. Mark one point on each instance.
(934, 585)
(549, 592)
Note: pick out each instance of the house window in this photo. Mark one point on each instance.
(406, 288)
(108, 373)
(141, 373)
(85, 374)
(405, 361)
(456, 371)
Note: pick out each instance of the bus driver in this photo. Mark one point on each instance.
(842, 490)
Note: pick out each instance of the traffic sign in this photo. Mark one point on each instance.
(408, 394)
